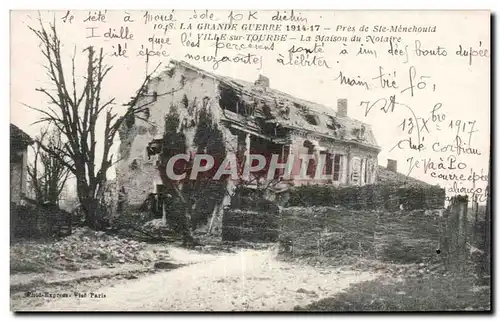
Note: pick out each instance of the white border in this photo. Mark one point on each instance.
(214, 4)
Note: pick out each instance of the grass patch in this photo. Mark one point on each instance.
(426, 293)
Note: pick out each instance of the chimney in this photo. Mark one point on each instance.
(392, 165)
(342, 107)
(262, 81)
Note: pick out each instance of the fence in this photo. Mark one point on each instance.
(454, 235)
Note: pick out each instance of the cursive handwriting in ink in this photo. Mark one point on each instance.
(386, 80)
(344, 80)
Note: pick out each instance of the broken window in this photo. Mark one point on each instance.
(300, 107)
(304, 111)
(153, 148)
(311, 119)
(355, 170)
(229, 99)
(185, 101)
(333, 124)
(311, 165)
(266, 110)
(328, 163)
(371, 170)
(170, 72)
(359, 133)
(309, 145)
(336, 167)
(367, 168)
(247, 108)
(241, 148)
(282, 108)
(362, 171)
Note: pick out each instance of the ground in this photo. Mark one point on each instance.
(340, 263)
(248, 280)
(258, 280)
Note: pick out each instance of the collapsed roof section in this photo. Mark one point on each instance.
(263, 103)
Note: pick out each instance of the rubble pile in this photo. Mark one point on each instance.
(156, 226)
(84, 249)
(139, 227)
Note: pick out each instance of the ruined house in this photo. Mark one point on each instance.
(254, 118)
(19, 142)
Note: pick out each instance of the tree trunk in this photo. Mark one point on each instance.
(92, 213)
(185, 220)
(53, 196)
(164, 212)
(88, 209)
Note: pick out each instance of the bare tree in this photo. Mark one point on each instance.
(76, 113)
(47, 175)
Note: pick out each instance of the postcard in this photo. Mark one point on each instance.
(250, 160)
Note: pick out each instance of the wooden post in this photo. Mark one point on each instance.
(454, 241)
(215, 213)
(475, 211)
(164, 212)
(462, 249)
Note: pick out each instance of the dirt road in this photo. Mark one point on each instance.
(249, 280)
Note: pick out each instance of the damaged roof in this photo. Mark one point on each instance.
(18, 137)
(386, 176)
(281, 108)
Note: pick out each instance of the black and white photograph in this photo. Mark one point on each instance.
(250, 161)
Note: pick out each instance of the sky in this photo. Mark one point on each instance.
(457, 87)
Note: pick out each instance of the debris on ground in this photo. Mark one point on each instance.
(84, 249)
